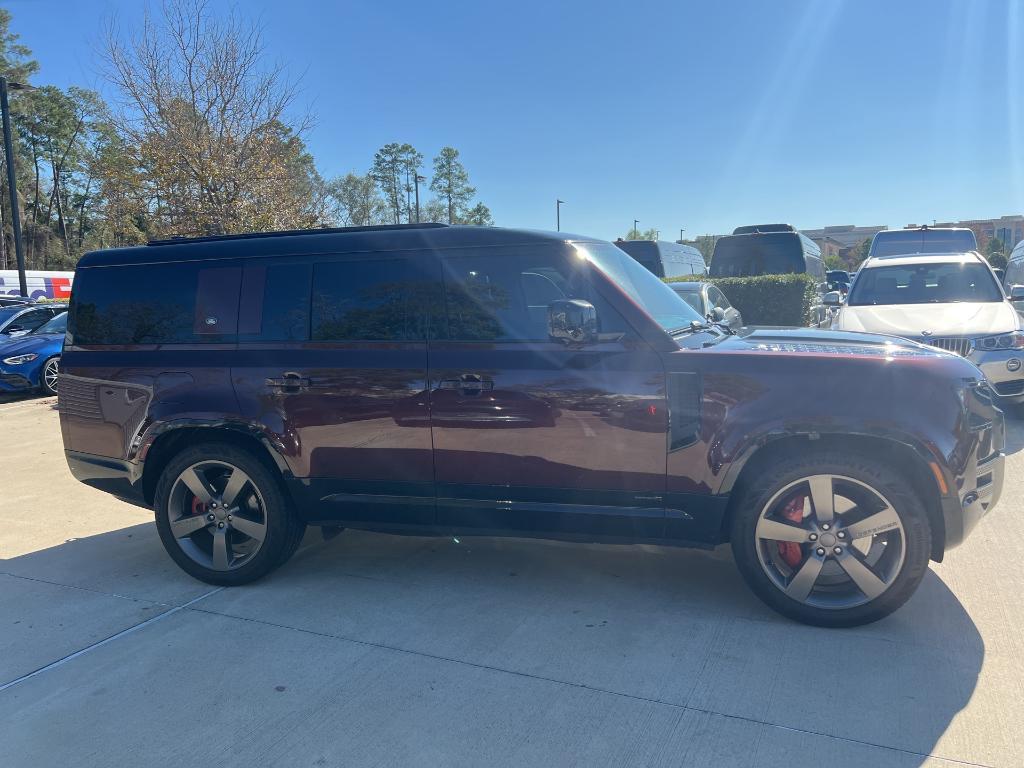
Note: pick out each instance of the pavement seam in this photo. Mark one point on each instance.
(83, 589)
(584, 686)
(100, 643)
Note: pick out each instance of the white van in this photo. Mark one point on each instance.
(41, 284)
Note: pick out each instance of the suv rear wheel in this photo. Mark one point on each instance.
(833, 539)
(223, 517)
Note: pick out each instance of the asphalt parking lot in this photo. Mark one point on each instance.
(380, 650)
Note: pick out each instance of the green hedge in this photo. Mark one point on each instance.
(767, 299)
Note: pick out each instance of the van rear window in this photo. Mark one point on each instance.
(175, 303)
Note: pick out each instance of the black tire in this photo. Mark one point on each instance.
(756, 494)
(46, 387)
(283, 529)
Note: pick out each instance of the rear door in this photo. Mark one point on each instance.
(533, 435)
(336, 365)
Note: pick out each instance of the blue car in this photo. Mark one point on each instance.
(30, 362)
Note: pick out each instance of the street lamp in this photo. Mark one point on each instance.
(636, 231)
(558, 214)
(12, 178)
(681, 230)
(418, 180)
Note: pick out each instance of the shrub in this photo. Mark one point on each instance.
(767, 299)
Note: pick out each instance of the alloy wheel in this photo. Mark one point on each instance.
(217, 515)
(50, 371)
(830, 541)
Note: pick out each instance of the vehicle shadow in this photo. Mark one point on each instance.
(653, 624)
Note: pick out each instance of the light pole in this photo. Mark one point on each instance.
(558, 214)
(418, 180)
(636, 232)
(12, 179)
(681, 230)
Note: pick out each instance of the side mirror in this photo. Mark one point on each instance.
(832, 299)
(572, 321)
(1017, 293)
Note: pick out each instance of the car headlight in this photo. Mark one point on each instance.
(19, 359)
(1014, 340)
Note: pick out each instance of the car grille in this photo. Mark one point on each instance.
(1007, 388)
(957, 344)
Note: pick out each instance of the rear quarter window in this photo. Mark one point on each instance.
(173, 303)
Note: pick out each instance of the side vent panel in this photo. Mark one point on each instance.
(684, 402)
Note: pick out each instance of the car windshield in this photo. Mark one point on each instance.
(59, 324)
(691, 295)
(659, 301)
(925, 284)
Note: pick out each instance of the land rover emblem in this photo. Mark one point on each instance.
(211, 321)
(926, 333)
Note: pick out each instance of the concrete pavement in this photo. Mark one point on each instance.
(381, 650)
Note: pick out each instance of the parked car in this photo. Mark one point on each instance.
(950, 301)
(31, 361)
(636, 421)
(19, 319)
(1014, 273)
(771, 249)
(838, 280)
(904, 242)
(665, 259)
(710, 302)
(10, 301)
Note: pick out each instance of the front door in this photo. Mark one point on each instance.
(533, 435)
(341, 381)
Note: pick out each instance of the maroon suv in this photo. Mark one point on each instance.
(467, 380)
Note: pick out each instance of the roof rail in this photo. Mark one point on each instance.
(179, 239)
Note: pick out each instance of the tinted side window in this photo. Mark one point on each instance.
(506, 297)
(155, 304)
(380, 300)
(275, 302)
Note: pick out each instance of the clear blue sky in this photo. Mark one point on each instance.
(698, 115)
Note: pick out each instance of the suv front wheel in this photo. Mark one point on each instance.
(223, 517)
(832, 539)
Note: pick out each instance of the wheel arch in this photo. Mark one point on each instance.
(174, 438)
(909, 459)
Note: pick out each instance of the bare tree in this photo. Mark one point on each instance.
(206, 123)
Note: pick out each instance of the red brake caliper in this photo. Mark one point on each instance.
(790, 550)
(198, 508)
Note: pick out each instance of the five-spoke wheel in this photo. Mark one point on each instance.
(218, 517)
(223, 515)
(831, 539)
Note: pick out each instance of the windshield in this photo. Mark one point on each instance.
(902, 242)
(659, 301)
(59, 324)
(691, 296)
(777, 253)
(925, 284)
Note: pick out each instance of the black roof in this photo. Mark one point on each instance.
(757, 229)
(333, 240)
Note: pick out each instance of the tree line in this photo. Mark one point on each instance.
(201, 138)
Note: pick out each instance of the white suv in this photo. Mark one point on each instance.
(951, 301)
